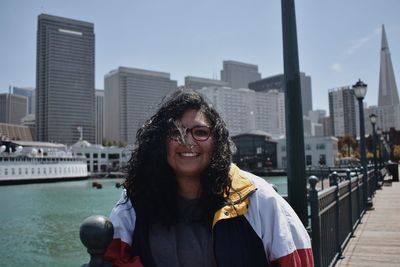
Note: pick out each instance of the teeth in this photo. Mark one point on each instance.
(189, 154)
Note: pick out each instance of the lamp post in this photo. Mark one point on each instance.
(372, 118)
(360, 90)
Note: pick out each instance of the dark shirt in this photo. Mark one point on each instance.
(187, 243)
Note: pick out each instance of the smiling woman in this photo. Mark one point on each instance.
(186, 204)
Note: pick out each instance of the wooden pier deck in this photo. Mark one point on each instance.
(377, 239)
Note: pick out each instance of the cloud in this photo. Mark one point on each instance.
(336, 66)
(357, 44)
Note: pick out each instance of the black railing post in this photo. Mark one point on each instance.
(96, 233)
(335, 180)
(348, 176)
(315, 221)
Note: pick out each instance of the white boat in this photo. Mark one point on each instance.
(37, 162)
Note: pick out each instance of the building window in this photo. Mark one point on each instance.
(87, 155)
(283, 148)
(308, 147)
(6, 172)
(95, 155)
(103, 155)
(320, 146)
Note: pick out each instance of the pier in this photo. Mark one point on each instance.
(376, 241)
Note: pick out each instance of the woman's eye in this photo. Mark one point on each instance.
(201, 132)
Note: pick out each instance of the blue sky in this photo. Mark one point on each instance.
(339, 40)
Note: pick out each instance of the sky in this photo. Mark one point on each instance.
(339, 40)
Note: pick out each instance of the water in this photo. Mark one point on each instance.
(280, 182)
(39, 223)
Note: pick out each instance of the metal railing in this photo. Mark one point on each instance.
(336, 211)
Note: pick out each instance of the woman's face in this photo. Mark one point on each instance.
(187, 156)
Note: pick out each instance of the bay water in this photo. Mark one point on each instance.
(39, 223)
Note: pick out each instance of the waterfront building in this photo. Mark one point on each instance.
(255, 151)
(13, 108)
(239, 74)
(277, 82)
(343, 111)
(196, 83)
(131, 97)
(101, 159)
(28, 92)
(316, 148)
(15, 132)
(65, 93)
(99, 116)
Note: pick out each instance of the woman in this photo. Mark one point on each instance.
(185, 204)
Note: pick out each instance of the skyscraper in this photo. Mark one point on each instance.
(388, 94)
(64, 79)
(29, 92)
(276, 82)
(99, 116)
(343, 111)
(238, 74)
(131, 97)
(196, 83)
(13, 108)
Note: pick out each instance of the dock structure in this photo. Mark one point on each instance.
(377, 238)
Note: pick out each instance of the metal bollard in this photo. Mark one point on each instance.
(96, 233)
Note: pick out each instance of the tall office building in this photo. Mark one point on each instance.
(245, 110)
(13, 108)
(388, 94)
(343, 110)
(131, 97)
(29, 92)
(99, 116)
(65, 93)
(238, 74)
(277, 82)
(197, 83)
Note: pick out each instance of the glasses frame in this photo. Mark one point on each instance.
(183, 132)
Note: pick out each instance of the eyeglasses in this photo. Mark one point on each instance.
(199, 133)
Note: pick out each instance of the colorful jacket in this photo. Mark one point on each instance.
(258, 229)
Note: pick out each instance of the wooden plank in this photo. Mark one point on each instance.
(377, 239)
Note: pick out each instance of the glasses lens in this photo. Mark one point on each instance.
(201, 133)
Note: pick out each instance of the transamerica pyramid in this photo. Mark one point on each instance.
(388, 94)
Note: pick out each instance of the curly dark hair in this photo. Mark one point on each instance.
(151, 183)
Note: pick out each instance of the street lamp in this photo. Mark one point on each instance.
(379, 138)
(360, 90)
(372, 118)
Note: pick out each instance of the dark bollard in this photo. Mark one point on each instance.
(333, 179)
(315, 221)
(96, 233)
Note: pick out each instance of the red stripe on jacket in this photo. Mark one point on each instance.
(120, 254)
(298, 258)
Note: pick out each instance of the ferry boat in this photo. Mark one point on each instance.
(37, 162)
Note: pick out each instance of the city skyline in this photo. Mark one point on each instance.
(337, 43)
